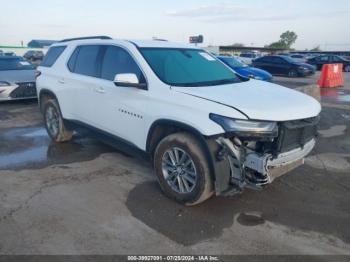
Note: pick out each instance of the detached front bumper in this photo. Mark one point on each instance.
(273, 167)
(237, 168)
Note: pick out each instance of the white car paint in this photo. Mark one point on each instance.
(100, 103)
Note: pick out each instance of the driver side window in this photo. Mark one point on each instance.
(118, 61)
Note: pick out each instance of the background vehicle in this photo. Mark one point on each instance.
(298, 58)
(33, 55)
(245, 70)
(182, 107)
(319, 61)
(248, 58)
(9, 53)
(17, 78)
(283, 65)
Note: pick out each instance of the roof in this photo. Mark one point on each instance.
(10, 57)
(43, 43)
(161, 44)
(138, 43)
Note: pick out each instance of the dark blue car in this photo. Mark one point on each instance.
(245, 70)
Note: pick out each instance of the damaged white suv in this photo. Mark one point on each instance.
(207, 130)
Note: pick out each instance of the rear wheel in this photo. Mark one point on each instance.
(292, 73)
(182, 169)
(54, 122)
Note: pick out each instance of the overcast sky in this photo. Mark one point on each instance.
(251, 22)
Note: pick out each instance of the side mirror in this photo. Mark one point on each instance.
(128, 80)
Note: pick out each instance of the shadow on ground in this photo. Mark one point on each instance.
(303, 200)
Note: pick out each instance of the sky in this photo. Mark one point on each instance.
(251, 22)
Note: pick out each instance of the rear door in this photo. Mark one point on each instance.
(263, 63)
(281, 66)
(83, 82)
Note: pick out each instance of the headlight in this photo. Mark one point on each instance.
(255, 77)
(303, 68)
(3, 83)
(246, 127)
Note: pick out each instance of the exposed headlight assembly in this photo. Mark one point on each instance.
(246, 127)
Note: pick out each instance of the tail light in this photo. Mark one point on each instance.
(37, 74)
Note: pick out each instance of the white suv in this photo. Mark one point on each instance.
(207, 130)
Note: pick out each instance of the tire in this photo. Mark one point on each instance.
(292, 73)
(199, 187)
(54, 123)
(347, 68)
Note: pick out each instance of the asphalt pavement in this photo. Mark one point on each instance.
(85, 197)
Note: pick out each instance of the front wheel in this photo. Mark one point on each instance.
(182, 169)
(54, 122)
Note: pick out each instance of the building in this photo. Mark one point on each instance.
(41, 43)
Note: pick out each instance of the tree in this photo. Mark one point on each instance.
(238, 45)
(287, 39)
(316, 49)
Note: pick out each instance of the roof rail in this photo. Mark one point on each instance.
(85, 38)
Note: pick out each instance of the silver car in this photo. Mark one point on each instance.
(17, 78)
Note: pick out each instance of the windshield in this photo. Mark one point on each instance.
(188, 67)
(233, 62)
(15, 64)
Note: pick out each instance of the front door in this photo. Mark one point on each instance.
(120, 108)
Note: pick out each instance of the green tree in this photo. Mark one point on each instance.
(287, 39)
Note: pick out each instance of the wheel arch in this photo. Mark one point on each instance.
(44, 95)
(164, 127)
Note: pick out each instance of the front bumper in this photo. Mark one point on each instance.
(306, 72)
(272, 167)
(25, 90)
(237, 168)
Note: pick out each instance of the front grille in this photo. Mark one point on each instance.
(25, 89)
(295, 134)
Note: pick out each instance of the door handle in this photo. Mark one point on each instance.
(61, 81)
(99, 90)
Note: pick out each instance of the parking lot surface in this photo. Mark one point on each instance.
(85, 197)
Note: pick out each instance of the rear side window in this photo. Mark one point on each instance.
(73, 60)
(52, 55)
(84, 60)
(118, 61)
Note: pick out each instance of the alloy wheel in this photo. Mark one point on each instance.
(179, 170)
(52, 121)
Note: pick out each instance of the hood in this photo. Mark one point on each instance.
(15, 76)
(246, 71)
(259, 100)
